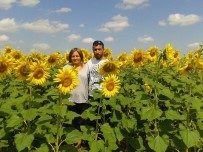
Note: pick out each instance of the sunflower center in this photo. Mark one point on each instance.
(175, 55)
(189, 67)
(66, 82)
(137, 57)
(3, 67)
(152, 53)
(51, 60)
(17, 56)
(110, 86)
(24, 70)
(39, 73)
(109, 67)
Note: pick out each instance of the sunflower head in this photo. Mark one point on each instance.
(17, 54)
(7, 49)
(137, 58)
(107, 52)
(110, 85)
(36, 56)
(152, 53)
(66, 56)
(109, 67)
(39, 73)
(67, 79)
(5, 65)
(186, 69)
(23, 70)
(54, 59)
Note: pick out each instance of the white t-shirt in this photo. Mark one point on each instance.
(80, 93)
(94, 77)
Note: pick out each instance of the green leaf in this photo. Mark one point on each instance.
(23, 141)
(74, 136)
(128, 124)
(174, 115)
(42, 148)
(29, 114)
(97, 146)
(4, 143)
(150, 113)
(119, 135)
(14, 121)
(60, 110)
(190, 138)
(109, 136)
(167, 93)
(158, 144)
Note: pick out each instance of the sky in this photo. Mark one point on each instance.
(123, 25)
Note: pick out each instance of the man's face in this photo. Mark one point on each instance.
(98, 51)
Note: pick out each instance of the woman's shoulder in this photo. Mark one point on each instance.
(67, 66)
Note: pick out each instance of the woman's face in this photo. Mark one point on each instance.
(75, 58)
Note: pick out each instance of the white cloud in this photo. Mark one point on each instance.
(44, 26)
(82, 25)
(130, 4)
(29, 3)
(8, 25)
(4, 38)
(6, 4)
(145, 39)
(41, 47)
(118, 23)
(183, 20)
(109, 39)
(194, 45)
(162, 23)
(63, 10)
(73, 37)
(88, 40)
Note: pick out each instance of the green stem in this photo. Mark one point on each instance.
(58, 127)
(97, 120)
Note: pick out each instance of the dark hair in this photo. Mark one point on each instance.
(97, 42)
(71, 53)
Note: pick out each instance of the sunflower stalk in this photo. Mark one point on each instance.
(57, 142)
(97, 120)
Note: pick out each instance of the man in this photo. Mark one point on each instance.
(93, 64)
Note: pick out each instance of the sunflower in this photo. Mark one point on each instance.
(5, 66)
(66, 56)
(8, 49)
(107, 52)
(67, 79)
(152, 53)
(174, 57)
(85, 53)
(54, 59)
(110, 85)
(137, 58)
(187, 68)
(22, 70)
(39, 73)
(109, 67)
(123, 57)
(169, 49)
(36, 56)
(17, 55)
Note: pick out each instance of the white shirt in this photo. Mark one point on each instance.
(80, 93)
(94, 77)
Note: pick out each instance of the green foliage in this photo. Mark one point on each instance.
(166, 116)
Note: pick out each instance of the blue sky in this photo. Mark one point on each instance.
(59, 25)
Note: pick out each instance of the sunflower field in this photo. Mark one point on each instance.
(150, 101)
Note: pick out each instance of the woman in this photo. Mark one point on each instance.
(79, 95)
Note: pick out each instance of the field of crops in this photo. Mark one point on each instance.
(155, 98)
